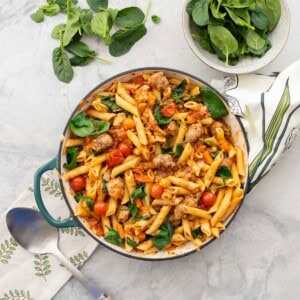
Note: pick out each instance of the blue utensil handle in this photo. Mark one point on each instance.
(69, 222)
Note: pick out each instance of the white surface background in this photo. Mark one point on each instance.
(258, 257)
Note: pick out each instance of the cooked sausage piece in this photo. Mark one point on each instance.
(216, 125)
(102, 142)
(123, 214)
(194, 133)
(115, 188)
(163, 161)
(178, 212)
(159, 81)
(172, 128)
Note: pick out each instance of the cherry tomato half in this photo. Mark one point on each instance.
(100, 208)
(156, 190)
(115, 158)
(125, 149)
(208, 198)
(169, 110)
(77, 183)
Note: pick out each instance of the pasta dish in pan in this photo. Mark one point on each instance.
(152, 164)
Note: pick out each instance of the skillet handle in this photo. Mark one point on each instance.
(69, 222)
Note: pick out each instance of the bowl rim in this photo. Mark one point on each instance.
(59, 164)
(231, 69)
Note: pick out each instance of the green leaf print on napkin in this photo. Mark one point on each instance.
(16, 295)
(52, 187)
(76, 231)
(42, 265)
(78, 259)
(7, 249)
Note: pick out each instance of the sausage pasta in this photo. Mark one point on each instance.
(150, 168)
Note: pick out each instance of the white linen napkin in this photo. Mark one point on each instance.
(26, 276)
(268, 108)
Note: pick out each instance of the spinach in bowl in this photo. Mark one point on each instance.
(234, 28)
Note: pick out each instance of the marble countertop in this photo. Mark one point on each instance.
(258, 257)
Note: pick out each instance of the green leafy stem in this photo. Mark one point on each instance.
(42, 266)
(52, 187)
(78, 259)
(7, 249)
(16, 295)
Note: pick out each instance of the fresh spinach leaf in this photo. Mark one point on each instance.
(77, 61)
(161, 120)
(155, 19)
(178, 91)
(96, 4)
(72, 26)
(204, 40)
(102, 127)
(200, 12)
(71, 158)
(113, 237)
(236, 3)
(101, 25)
(61, 65)
(259, 18)
(215, 11)
(81, 125)
(133, 209)
(190, 6)
(214, 104)
(164, 236)
(63, 4)
(196, 232)
(223, 40)
(130, 16)
(80, 49)
(50, 9)
(273, 10)
(124, 39)
(255, 41)
(224, 172)
(131, 242)
(86, 16)
(237, 20)
(139, 192)
(55, 34)
(37, 16)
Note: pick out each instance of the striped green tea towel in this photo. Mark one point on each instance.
(268, 107)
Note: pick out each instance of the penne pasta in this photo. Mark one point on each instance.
(156, 197)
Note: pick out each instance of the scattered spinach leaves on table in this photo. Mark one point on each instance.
(155, 19)
(97, 20)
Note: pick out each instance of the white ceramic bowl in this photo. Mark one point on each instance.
(278, 38)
